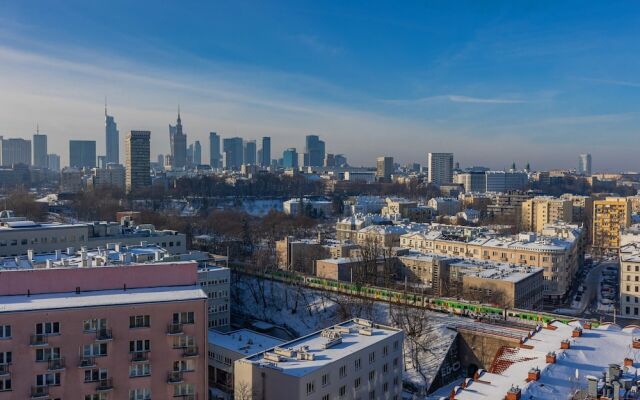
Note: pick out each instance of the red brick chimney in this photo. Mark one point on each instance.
(513, 393)
(587, 325)
(577, 332)
(635, 343)
(565, 344)
(551, 357)
(628, 362)
(533, 375)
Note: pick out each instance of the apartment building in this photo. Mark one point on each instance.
(402, 208)
(356, 359)
(560, 256)
(507, 205)
(582, 212)
(610, 216)
(445, 205)
(630, 280)
(383, 236)
(98, 333)
(347, 228)
(542, 210)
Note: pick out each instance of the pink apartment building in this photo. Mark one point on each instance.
(112, 332)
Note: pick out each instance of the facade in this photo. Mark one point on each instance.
(384, 168)
(508, 205)
(314, 151)
(138, 160)
(440, 168)
(445, 205)
(290, 158)
(505, 181)
(403, 208)
(233, 153)
(299, 255)
(113, 175)
(215, 281)
(542, 210)
(382, 236)
(250, 150)
(178, 144)
(265, 159)
(53, 162)
(214, 150)
(15, 151)
(197, 153)
(40, 150)
(122, 324)
(630, 280)
(112, 139)
(584, 164)
(82, 153)
(356, 359)
(610, 217)
(473, 181)
(315, 208)
(71, 180)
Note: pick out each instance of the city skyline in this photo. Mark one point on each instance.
(444, 85)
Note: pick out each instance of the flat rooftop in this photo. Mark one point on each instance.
(314, 344)
(243, 341)
(99, 298)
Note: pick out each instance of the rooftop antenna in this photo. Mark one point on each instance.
(105, 106)
(37, 128)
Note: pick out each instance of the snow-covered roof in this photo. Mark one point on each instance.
(99, 298)
(243, 341)
(323, 355)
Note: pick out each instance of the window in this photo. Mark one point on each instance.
(356, 383)
(372, 357)
(372, 375)
(140, 394)
(139, 321)
(94, 350)
(342, 391)
(5, 358)
(188, 365)
(139, 345)
(325, 397)
(357, 364)
(311, 387)
(5, 331)
(183, 318)
(95, 374)
(51, 353)
(48, 328)
(139, 369)
(395, 362)
(343, 371)
(5, 385)
(48, 379)
(93, 325)
(96, 396)
(372, 395)
(180, 342)
(183, 389)
(385, 387)
(396, 345)
(385, 350)
(385, 368)
(325, 379)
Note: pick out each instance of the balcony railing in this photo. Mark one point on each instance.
(140, 356)
(175, 377)
(104, 385)
(174, 329)
(4, 370)
(39, 392)
(39, 340)
(104, 334)
(190, 351)
(56, 364)
(87, 362)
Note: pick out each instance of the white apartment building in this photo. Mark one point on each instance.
(630, 280)
(356, 359)
(440, 168)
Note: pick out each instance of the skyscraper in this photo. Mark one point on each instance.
(197, 153)
(384, 168)
(40, 150)
(265, 159)
(440, 168)
(112, 138)
(233, 153)
(178, 142)
(313, 151)
(584, 164)
(137, 154)
(214, 150)
(250, 152)
(53, 162)
(290, 158)
(15, 151)
(82, 153)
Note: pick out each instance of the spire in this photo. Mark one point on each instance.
(105, 106)
(37, 128)
(179, 121)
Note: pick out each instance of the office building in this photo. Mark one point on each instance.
(473, 181)
(505, 181)
(290, 158)
(70, 180)
(111, 176)
(214, 150)
(542, 210)
(178, 143)
(440, 168)
(82, 153)
(112, 139)
(384, 168)
(340, 160)
(53, 162)
(356, 359)
(98, 333)
(584, 164)
(160, 160)
(15, 151)
(138, 160)
(233, 153)
(197, 153)
(314, 151)
(610, 216)
(445, 205)
(40, 150)
(250, 149)
(265, 159)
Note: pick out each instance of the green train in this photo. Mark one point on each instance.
(448, 305)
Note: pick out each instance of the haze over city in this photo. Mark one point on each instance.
(493, 82)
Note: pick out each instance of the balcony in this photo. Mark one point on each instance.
(4, 370)
(87, 362)
(39, 340)
(56, 364)
(140, 356)
(175, 329)
(104, 334)
(104, 385)
(175, 377)
(186, 396)
(39, 392)
(190, 351)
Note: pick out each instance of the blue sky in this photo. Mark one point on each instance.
(491, 81)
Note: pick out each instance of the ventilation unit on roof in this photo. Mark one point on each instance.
(330, 334)
(365, 331)
(362, 321)
(272, 357)
(284, 352)
(306, 356)
(333, 342)
(343, 329)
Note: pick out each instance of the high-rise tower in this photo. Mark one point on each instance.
(112, 138)
(178, 141)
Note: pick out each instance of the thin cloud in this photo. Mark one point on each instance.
(454, 98)
(613, 82)
(314, 43)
